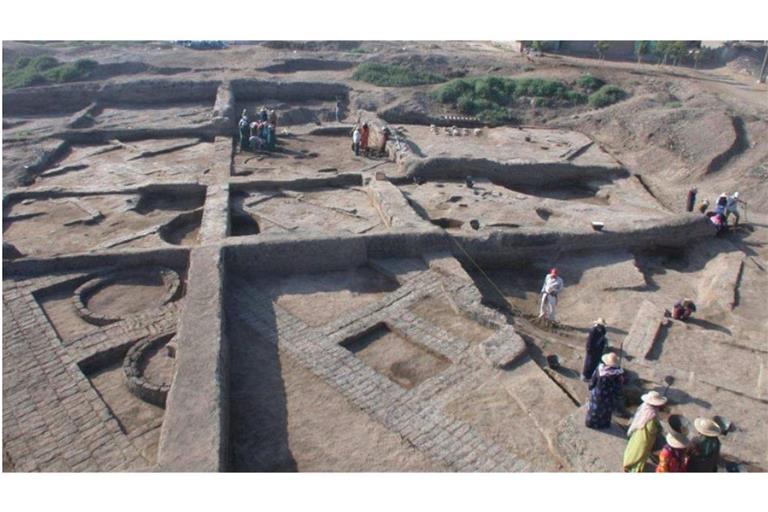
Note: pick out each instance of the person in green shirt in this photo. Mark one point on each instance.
(705, 448)
(642, 432)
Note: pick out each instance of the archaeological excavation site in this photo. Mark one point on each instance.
(330, 256)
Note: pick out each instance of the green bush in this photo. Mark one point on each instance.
(575, 97)
(606, 95)
(489, 98)
(390, 75)
(450, 92)
(42, 63)
(22, 62)
(589, 83)
(45, 70)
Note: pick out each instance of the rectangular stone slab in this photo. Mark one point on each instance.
(644, 330)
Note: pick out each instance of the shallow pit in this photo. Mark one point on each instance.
(398, 358)
(325, 210)
(438, 311)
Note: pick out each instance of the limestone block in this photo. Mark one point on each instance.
(644, 330)
(503, 348)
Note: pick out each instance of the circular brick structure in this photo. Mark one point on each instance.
(163, 277)
(153, 385)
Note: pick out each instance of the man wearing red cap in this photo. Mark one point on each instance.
(552, 286)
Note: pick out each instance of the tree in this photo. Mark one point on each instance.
(602, 48)
(641, 49)
(663, 49)
(678, 49)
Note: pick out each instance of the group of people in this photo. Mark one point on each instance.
(605, 380)
(361, 135)
(725, 206)
(259, 134)
(679, 455)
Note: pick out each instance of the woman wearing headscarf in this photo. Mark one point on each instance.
(605, 388)
(642, 432)
(673, 458)
(705, 447)
(595, 346)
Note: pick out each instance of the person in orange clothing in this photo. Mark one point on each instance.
(364, 133)
(673, 458)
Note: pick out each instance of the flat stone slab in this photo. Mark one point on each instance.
(720, 281)
(644, 330)
(621, 275)
(503, 348)
(589, 450)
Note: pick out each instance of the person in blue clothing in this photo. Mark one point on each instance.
(605, 391)
(595, 346)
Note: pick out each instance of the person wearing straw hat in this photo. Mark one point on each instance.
(673, 458)
(642, 432)
(705, 447)
(595, 346)
(605, 391)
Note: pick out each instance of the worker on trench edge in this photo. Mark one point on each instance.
(553, 284)
(596, 342)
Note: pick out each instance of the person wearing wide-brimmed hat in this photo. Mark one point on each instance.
(705, 447)
(605, 390)
(673, 458)
(642, 432)
(595, 346)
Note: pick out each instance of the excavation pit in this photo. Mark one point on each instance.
(321, 210)
(125, 164)
(398, 358)
(117, 295)
(300, 154)
(79, 223)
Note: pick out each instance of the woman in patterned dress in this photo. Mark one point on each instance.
(605, 387)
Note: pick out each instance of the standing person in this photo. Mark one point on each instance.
(552, 286)
(384, 138)
(356, 141)
(273, 119)
(243, 127)
(673, 458)
(691, 201)
(605, 388)
(338, 111)
(364, 133)
(705, 447)
(721, 204)
(642, 432)
(263, 114)
(595, 346)
(731, 206)
(269, 130)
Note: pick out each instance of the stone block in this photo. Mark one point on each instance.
(645, 328)
(503, 348)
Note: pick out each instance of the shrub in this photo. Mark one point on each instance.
(589, 83)
(43, 63)
(45, 70)
(390, 75)
(606, 95)
(575, 97)
(450, 92)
